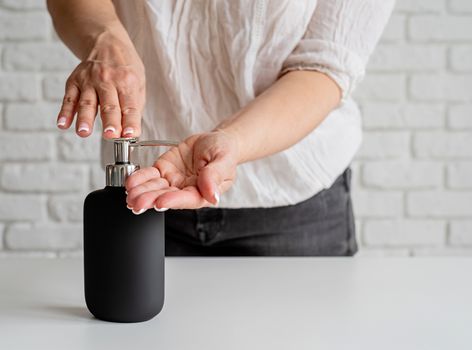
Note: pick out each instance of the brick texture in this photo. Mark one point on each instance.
(460, 6)
(73, 148)
(440, 28)
(395, 29)
(403, 174)
(21, 207)
(405, 233)
(44, 177)
(37, 56)
(66, 208)
(408, 57)
(26, 146)
(31, 116)
(384, 145)
(2, 227)
(420, 6)
(460, 116)
(441, 86)
(460, 58)
(18, 87)
(23, 4)
(461, 233)
(53, 87)
(389, 115)
(441, 204)
(459, 175)
(412, 181)
(24, 236)
(378, 204)
(443, 144)
(23, 25)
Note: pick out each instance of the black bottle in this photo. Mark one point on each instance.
(123, 252)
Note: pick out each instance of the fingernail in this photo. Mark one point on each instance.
(61, 121)
(128, 131)
(140, 211)
(217, 197)
(127, 206)
(109, 128)
(126, 192)
(160, 209)
(83, 127)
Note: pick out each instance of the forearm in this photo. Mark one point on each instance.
(80, 24)
(285, 113)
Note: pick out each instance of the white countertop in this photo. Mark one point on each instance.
(251, 303)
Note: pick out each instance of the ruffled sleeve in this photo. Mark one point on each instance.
(339, 39)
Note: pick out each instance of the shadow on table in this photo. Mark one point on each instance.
(76, 312)
(60, 312)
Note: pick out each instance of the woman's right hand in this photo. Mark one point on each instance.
(111, 78)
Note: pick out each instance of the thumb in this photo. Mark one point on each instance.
(214, 178)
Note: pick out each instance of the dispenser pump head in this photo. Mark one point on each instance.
(117, 173)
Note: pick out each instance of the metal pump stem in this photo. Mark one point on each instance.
(117, 173)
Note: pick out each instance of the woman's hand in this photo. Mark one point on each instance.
(112, 78)
(188, 176)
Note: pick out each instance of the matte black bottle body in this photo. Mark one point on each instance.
(123, 258)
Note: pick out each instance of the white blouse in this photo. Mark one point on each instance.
(205, 59)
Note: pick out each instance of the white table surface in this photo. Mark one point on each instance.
(251, 303)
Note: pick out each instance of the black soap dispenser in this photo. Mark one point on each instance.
(123, 252)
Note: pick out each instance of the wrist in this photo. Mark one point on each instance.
(111, 44)
(237, 140)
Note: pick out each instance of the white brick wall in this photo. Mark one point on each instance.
(412, 177)
(413, 189)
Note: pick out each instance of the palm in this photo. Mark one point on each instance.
(176, 166)
(190, 175)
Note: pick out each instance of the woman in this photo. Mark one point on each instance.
(259, 92)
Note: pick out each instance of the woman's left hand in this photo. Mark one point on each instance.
(188, 176)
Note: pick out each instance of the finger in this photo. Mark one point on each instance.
(212, 176)
(130, 114)
(207, 183)
(147, 199)
(110, 111)
(151, 185)
(86, 112)
(140, 176)
(174, 174)
(186, 198)
(69, 104)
